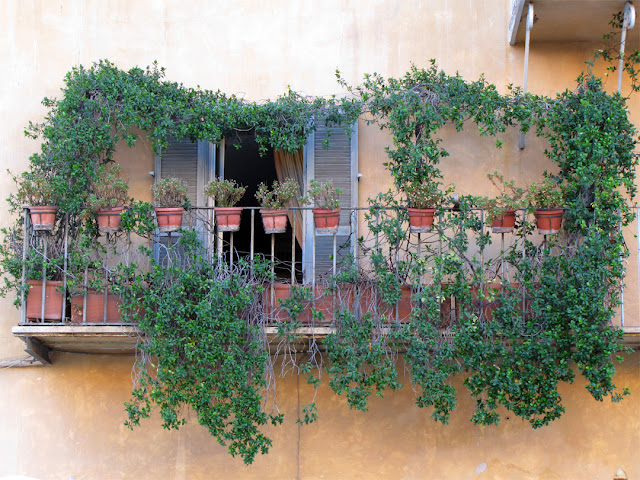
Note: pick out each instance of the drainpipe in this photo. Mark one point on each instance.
(526, 58)
(628, 22)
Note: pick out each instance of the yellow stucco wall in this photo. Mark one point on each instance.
(67, 420)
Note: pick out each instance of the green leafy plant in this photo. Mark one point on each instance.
(547, 194)
(206, 347)
(279, 196)
(322, 195)
(109, 189)
(424, 194)
(226, 193)
(35, 188)
(510, 197)
(169, 192)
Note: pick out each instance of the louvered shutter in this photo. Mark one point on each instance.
(338, 163)
(194, 163)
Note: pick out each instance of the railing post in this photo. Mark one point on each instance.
(293, 246)
(64, 272)
(25, 245)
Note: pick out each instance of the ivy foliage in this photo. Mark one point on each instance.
(203, 346)
(521, 320)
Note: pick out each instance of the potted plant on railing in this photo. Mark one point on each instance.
(36, 190)
(108, 198)
(326, 213)
(226, 194)
(43, 270)
(88, 288)
(500, 211)
(274, 203)
(423, 199)
(545, 200)
(169, 199)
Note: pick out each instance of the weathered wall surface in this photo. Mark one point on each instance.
(67, 420)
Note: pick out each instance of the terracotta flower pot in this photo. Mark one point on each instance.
(324, 303)
(109, 219)
(43, 217)
(420, 219)
(228, 218)
(274, 221)
(327, 221)
(169, 218)
(52, 302)
(505, 222)
(95, 308)
(549, 220)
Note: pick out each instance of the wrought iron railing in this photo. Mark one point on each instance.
(311, 259)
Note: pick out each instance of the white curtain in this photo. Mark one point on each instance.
(290, 165)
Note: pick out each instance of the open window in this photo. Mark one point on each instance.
(198, 162)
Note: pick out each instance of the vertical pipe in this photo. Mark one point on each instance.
(25, 230)
(231, 249)
(628, 22)
(530, 17)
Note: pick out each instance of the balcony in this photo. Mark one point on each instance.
(78, 313)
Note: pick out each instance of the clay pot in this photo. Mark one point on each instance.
(327, 221)
(549, 220)
(505, 222)
(228, 218)
(169, 218)
(95, 308)
(52, 302)
(109, 219)
(420, 219)
(43, 217)
(274, 220)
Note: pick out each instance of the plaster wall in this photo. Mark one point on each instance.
(66, 420)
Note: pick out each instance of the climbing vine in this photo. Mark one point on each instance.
(522, 320)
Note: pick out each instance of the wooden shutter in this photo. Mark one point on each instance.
(338, 163)
(194, 163)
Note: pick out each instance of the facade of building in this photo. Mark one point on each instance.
(66, 419)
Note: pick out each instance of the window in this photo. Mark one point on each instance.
(198, 162)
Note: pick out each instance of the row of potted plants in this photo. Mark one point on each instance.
(110, 197)
(544, 199)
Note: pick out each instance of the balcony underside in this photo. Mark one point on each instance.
(41, 340)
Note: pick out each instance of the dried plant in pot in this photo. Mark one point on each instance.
(546, 200)
(37, 191)
(274, 202)
(108, 198)
(326, 199)
(500, 211)
(169, 199)
(226, 194)
(423, 198)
